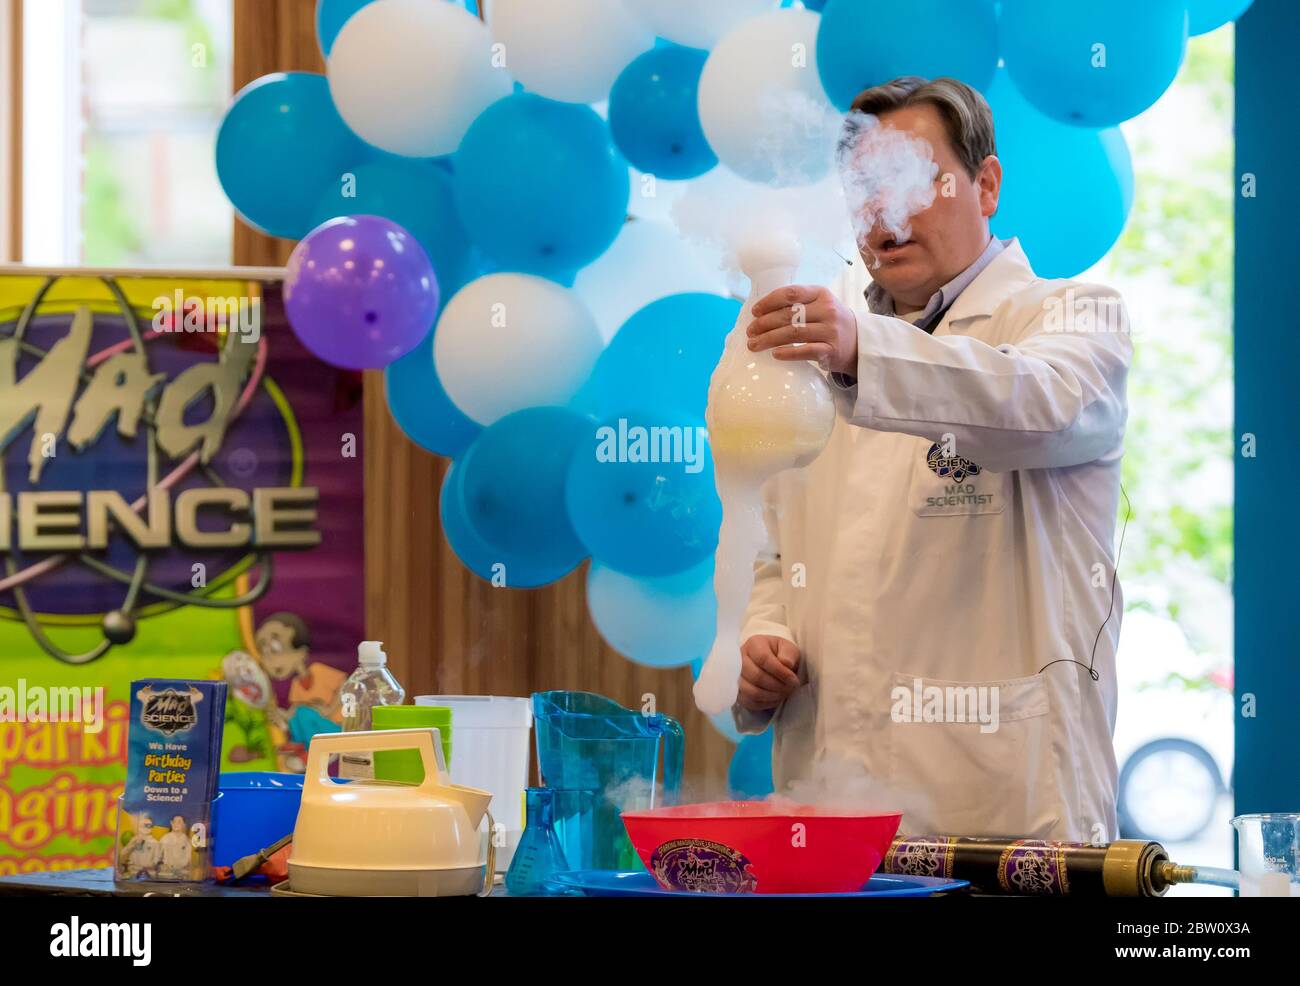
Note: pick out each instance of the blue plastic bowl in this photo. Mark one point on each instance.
(257, 807)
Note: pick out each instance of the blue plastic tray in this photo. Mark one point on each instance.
(613, 883)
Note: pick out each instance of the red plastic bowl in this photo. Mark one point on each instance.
(756, 847)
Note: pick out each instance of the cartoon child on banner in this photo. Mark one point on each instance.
(314, 705)
(248, 741)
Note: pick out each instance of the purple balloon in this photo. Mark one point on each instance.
(360, 292)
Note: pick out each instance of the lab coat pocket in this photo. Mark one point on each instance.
(978, 754)
(947, 485)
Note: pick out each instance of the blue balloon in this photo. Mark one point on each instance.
(418, 195)
(860, 45)
(539, 184)
(662, 357)
(654, 113)
(750, 773)
(501, 567)
(1066, 191)
(280, 147)
(641, 495)
(421, 407)
(513, 484)
(659, 622)
(331, 15)
(1204, 16)
(1093, 64)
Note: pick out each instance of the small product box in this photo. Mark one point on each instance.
(164, 823)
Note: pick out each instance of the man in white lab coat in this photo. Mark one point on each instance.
(940, 608)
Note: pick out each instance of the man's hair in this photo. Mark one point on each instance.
(965, 114)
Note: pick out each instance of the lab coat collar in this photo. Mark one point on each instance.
(1005, 274)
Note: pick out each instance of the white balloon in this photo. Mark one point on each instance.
(648, 261)
(410, 76)
(696, 23)
(571, 50)
(652, 621)
(509, 341)
(762, 105)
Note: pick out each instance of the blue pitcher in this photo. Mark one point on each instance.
(600, 759)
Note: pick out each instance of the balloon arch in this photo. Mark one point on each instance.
(480, 204)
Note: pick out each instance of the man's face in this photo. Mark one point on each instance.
(948, 235)
(275, 645)
(178, 824)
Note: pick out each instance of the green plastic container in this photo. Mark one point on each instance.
(404, 765)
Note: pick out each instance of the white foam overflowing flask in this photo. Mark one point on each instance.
(764, 415)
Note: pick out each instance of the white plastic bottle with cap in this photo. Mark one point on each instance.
(369, 685)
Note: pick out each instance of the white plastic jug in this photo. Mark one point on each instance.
(490, 751)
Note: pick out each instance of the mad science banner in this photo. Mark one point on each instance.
(180, 496)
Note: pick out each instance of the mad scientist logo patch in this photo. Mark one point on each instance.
(951, 467)
(953, 485)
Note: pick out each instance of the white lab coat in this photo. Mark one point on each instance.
(888, 576)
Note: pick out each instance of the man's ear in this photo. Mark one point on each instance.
(989, 183)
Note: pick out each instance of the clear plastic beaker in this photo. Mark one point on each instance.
(1268, 854)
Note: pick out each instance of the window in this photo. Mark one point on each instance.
(121, 103)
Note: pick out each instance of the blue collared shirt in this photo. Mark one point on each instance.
(880, 303)
(927, 319)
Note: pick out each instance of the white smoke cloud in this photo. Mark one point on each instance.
(887, 175)
(836, 784)
(881, 176)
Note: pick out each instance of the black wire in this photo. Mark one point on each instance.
(1114, 579)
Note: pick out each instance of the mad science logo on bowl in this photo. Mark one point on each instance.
(701, 867)
(947, 466)
(169, 712)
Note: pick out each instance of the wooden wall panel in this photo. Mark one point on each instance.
(446, 630)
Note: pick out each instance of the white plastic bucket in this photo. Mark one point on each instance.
(489, 750)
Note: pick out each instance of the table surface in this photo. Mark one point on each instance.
(100, 883)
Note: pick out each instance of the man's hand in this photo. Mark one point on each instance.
(768, 667)
(810, 315)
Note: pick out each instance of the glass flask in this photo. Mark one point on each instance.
(538, 857)
(765, 416)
